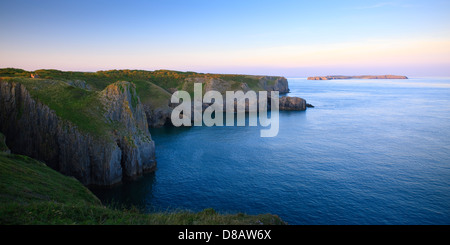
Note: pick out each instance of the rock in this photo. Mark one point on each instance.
(275, 84)
(160, 116)
(123, 105)
(33, 129)
(79, 84)
(245, 87)
(292, 104)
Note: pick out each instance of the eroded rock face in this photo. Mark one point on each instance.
(123, 105)
(266, 83)
(158, 117)
(79, 84)
(33, 129)
(275, 84)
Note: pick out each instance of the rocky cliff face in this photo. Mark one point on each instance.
(123, 105)
(263, 83)
(275, 84)
(33, 129)
(158, 117)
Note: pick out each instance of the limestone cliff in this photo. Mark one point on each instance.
(32, 128)
(123, 105)
(160, 116)
(275, 84)
(245, 83)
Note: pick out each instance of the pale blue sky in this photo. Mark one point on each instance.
(290, 38)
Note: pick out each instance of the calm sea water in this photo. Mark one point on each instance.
(370, 152)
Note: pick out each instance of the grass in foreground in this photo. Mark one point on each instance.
(32, 193)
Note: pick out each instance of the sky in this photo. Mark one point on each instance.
(265, 37)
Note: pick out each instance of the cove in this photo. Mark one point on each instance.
(370, 152)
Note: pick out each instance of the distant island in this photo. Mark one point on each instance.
(357, 77)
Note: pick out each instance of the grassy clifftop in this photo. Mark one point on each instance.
(165, 79)
(32, 193)
(79, 106)
(153, 87)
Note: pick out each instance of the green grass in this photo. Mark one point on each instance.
(81, 107)
(152, 86)
(13, 72)
(32, 193)
(63, 214)
(24, 180)
(252, 81)
(271, 81)
(152, 94)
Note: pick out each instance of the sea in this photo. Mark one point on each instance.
(370, 152)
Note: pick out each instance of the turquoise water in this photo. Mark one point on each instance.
(370, 152)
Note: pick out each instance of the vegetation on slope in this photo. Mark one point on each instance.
(153, 87)
(32, 193)
(79, 106)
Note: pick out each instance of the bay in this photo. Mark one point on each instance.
(370, 152)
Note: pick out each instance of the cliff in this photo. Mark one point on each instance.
(132, 136)
(156, 87)
(358, 77)
(100, 138)
(245, 83)
(159, 116)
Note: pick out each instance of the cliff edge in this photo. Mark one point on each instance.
(100, 138)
